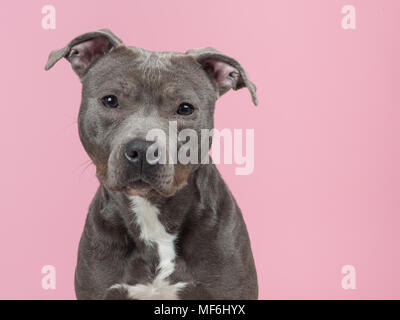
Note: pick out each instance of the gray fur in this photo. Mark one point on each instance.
(213, 249)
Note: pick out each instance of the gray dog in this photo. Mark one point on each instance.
(155, 230)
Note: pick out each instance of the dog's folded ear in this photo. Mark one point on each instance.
(85, 49)
(225, 72)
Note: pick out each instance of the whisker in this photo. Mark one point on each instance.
(87, 166)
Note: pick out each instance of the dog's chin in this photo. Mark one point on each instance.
(144, 189)
(138, 188)
(136, 192)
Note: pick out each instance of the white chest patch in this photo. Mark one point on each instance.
(153, 232)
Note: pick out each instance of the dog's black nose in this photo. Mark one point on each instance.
(135, 151)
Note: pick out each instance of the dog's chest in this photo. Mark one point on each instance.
(154, 234)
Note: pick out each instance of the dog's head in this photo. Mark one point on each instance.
(135, 103)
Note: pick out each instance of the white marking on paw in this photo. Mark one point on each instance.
(157, 290)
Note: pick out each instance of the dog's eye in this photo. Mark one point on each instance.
(110, 101)
(185, 109)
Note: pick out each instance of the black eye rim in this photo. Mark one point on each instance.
(109, 104)
(191, 108)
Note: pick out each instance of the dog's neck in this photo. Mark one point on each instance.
(118, 209)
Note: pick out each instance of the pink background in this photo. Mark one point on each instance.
(325, 190)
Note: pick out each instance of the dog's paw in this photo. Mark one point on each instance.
(158, 290)
(117, 292)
